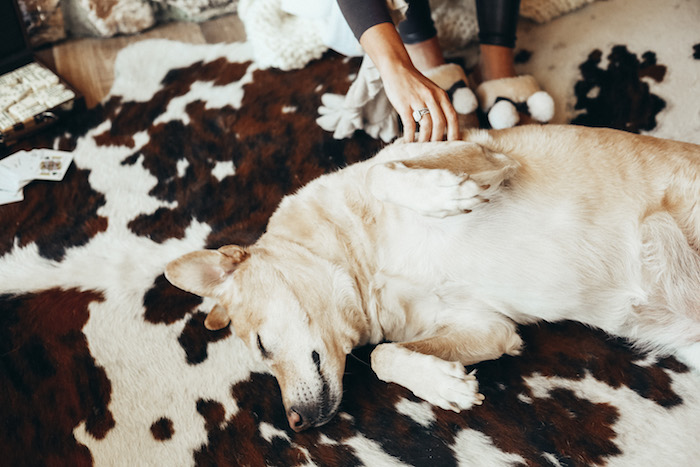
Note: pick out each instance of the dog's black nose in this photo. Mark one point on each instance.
(298, 420)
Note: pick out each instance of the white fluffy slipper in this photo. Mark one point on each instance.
(453, 80)
(502, 99)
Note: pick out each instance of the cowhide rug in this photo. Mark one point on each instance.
(102, 362)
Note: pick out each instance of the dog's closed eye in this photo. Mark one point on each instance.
(262, 348)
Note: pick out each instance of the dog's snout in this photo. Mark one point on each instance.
(299, 419)
(314, 404)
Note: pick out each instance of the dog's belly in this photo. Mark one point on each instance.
(529, 265)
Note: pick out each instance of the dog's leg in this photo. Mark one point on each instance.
(669, 320)
(433, 368)
(442, 383)
(446, 181)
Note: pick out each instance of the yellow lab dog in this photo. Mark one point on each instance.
(441, 248)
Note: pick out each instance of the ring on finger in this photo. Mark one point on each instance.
(418, 114)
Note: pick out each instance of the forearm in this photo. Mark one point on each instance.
(383, 45)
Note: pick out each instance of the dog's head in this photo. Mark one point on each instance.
(298, 313)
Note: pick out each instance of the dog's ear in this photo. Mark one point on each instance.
(200, 272)
(217, 318)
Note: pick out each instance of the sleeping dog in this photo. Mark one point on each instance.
(440, 249)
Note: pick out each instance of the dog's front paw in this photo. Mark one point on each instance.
(444, 384)
(450, 387)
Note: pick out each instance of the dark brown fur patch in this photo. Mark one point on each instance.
(195, 338)
(50, 216)
(166, 304)
(274, 151)
(238, 441)
(162, 429)
(522, 56)
(50, 381)
(572, 429)
(617, 97)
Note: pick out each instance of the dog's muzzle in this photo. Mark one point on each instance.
(307, 415)
(302, 417)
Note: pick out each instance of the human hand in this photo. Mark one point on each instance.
(408, 90)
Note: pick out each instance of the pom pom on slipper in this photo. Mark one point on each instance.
(451, 78)
(503, 114)
(506, 97)
(541, 106)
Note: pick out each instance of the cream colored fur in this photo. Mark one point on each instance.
(442, 248)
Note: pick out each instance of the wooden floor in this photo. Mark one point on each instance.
(88, 63)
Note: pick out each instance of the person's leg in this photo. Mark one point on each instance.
(419, 35)
(426, 55)
(498, 21)
(496, 62)
(505, 97)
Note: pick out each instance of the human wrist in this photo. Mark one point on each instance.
(384, 47)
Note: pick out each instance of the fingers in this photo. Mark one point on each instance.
(409, 125)
(452, 124)
(425, 128)
(449, 125)
(440, 122)
(409, 91)
(437, 118)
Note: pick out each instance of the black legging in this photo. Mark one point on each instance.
(498, 19)
(418, 25)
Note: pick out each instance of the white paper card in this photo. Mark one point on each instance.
(20, 168)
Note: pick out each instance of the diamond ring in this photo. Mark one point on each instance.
(418, 114)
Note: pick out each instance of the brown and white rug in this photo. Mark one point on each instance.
(102, 362)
